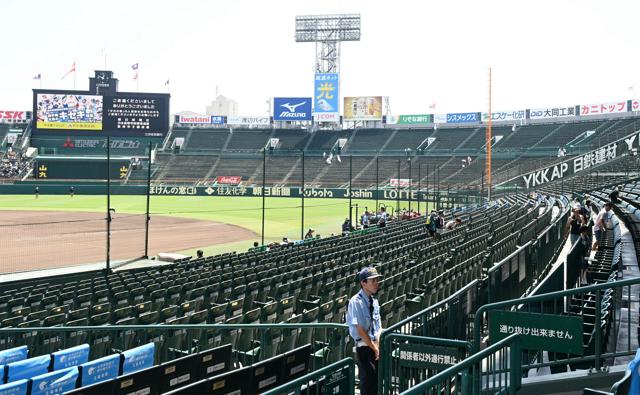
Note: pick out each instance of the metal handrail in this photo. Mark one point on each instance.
(512, 341)
(313, 376)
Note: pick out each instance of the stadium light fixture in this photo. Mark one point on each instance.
(327, 31)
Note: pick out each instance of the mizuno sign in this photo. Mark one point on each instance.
(292, 109)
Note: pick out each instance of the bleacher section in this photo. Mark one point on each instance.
(248, 140)
(207, 139)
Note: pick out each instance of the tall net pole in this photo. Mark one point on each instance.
(488, 143)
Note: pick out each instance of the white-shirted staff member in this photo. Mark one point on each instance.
(363, 318)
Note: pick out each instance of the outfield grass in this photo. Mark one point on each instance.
(282, 215)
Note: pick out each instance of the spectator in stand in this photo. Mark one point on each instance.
(583, 245)
(346, 226)
(309, 234)
(440, 223)
(200, 254)
(37, 192)
(614, 196)
(364, 220)
(586, 211)
(432, 224)
(72, 191)
(601, 223)
(383, 213)
(453, 224)
(575, 222)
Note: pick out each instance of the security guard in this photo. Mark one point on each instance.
(363, 318)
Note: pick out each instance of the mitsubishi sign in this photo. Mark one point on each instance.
(292, 109)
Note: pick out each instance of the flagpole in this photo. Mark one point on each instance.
(74, 75)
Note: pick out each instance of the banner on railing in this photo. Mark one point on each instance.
(635, 105)
(552, 112)
(499, 116)
(410, 119)
(336, 193)
(582, 162)
(229, 180)
(463, 117)
(249, 121)
(197, 119)
(404, 182)
(603, 108)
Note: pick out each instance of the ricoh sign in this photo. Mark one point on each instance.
(292, 109)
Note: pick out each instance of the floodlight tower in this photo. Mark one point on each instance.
(327, 31)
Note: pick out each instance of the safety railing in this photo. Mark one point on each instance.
(337, 378)
(415, 358)
(513, 275)
(596, 331)
(489, 371)
(451, 319)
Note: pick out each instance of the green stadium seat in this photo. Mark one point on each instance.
(168, 313)
(76, 338)
(125, 339)
(230, 336)
(248, 345)
(77, 314)
(307, 334)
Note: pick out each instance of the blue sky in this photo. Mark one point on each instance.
(542, 52)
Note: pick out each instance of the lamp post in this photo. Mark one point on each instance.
(303, 190)
(264, 181)
(350, 177)
(408, 152)
(419, 189)
(398, 190)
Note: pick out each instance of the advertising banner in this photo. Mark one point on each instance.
(326, 117)
(201, 119)
(603, 108)
(498, 116)
(463, 117)
(229, 180)
(68, 111)
(440, 118)
(410, 119)
(326, 95)
(8, 116)
(237, 191)
(249, 121)
(635, 105)
(552, 112)
(292, 109)
(581, 163)
(363, 108)
(404, 182)
(121, 114)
